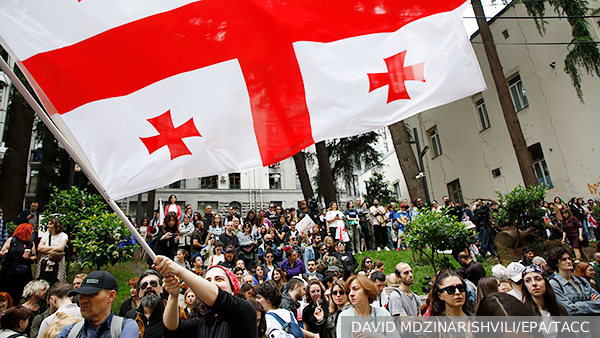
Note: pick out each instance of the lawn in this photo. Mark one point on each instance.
(123, 272)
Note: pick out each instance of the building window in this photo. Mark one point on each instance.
(539, 165)
(455, 192)
(234, 181)
(298, 184)
(352, 187)
(275, 165)
(213, 204)
(496, 173)
(275, 181)
(436, 144)
(505, 34)
(210, 182)
(397, 190)
(33, 182)
(484, 120)
(133, 209)
(517, 93)
(176, 185)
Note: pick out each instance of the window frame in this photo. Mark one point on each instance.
(482, 114)
(516, 87)
(435, 141)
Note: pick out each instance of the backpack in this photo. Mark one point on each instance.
(116, 326)
(291, 329)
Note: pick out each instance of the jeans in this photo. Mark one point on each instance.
(487, 242)
(389, 238)
(380, 235)
(354, 234)
(364, 228)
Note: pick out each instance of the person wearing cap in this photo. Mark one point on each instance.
(226, 315)
(58, 299)
(515, 278)
(96, 295)
(475, 270)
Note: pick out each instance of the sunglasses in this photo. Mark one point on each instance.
(368, 262)
(153, 283)
(338, 293)
(452, 289)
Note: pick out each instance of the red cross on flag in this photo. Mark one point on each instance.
(153, 91)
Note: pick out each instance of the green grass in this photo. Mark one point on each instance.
(123, 272)
(421, 269)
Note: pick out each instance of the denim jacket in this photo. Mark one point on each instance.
(569, 298)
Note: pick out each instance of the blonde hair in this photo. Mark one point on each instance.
(62, 320)
(392, 279)
(34, 287)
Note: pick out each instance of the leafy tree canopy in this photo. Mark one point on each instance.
(74, 206)
(378, 188)
(432, 232)
(522, 206)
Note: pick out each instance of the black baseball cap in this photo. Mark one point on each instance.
(95, 282)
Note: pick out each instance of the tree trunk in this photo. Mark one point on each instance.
(14, 166)
(508, 109)
(407, 160)
(327, 183)
(46, 173)
(151, 202)
(300, 161)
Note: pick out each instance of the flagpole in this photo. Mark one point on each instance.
(74, 154)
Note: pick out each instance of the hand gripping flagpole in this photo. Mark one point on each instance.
(83, 164)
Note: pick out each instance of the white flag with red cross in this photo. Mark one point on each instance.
(153, 91)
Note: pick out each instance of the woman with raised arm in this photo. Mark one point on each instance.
(18, 253)
(226, 315)
(338, 301)
(51, 266)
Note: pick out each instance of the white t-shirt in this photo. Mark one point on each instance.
(217, 259)
(56, 239)
(172, 208)
(338, 223)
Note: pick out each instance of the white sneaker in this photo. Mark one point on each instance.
(386, 248)
(378, 249)
(359, 252)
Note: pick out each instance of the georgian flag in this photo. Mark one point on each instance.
(153, 91)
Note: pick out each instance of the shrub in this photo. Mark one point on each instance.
(432, 231)
(99, 241)
(522, 206)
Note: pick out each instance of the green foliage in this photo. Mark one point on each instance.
(11, 226)
(348, 154)
(433, 231)
(379, 188)
(522, 205)
(74, 206)
(98, 241)
(584, 52)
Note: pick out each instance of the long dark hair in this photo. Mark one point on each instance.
(438, 306)
(486, 286)
(552, 305)
(526, 250)
(169, 216)
(262, 325)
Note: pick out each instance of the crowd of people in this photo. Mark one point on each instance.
(258, 275)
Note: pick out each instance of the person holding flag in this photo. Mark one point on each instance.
(335, 223)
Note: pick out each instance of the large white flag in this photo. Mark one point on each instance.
(153, 91)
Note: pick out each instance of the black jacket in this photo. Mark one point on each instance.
(230, 316)
(149, 328)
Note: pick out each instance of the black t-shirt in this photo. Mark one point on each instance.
(308, 315)
(230, 316)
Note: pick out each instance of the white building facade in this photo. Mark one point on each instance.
(471, 155)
